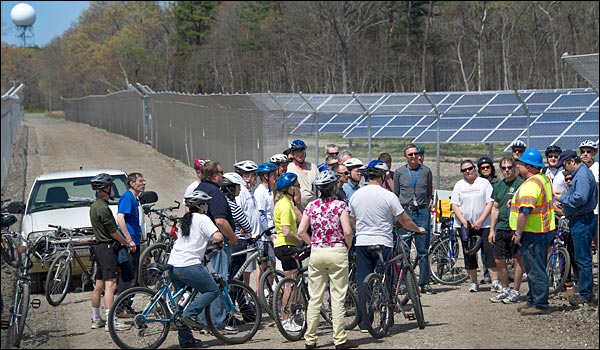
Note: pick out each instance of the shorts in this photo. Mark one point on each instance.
(505, 248)
(265, 248)
(107, 261)
(288, 263)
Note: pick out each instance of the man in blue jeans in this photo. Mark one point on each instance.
(578, 203)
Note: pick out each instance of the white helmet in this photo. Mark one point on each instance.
(353, 162)
(518, 143)
(245, 166)
(326, 177)
(194, 199)
(280, 158)
(589, 143)
(232, 179)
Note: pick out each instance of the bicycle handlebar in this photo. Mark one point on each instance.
(73, 231)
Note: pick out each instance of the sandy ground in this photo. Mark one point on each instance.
(455, 318)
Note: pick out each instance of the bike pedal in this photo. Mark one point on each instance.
(5, 324)
(35, 303)
(410, 316)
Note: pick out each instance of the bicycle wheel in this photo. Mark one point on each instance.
(412, 288)
(58, 279)
(351, 307)
(244, 315)
(9, 254)
(447, 268)
(268, 281)
(375, 308)
(150, 326)
(294, 304)
(19, 314)
(557, 268)
(156, 253)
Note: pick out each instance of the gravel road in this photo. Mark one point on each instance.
(455, 318)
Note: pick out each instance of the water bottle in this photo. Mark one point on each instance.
(184, 298)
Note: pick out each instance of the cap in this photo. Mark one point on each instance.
(567, 154)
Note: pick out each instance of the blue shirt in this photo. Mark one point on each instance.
(129, 206)
(582, 195)
(349, 188)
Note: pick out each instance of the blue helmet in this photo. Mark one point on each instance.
(297, 145)
(266, 167)
(532, 157)
(285, 181)
(322, 167)
(375, 167)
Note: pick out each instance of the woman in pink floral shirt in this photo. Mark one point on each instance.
(331, 238)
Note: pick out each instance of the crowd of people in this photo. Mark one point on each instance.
(345, 204)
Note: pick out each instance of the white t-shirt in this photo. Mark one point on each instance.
(189, 250)
(558, 183)
(264, 202)
(374, 208)
(247, 203)
(472, 199)
(594, 169)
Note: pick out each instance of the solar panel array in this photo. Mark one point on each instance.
(563, 117)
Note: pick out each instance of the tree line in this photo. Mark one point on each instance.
(307, 46)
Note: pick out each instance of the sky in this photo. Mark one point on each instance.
(53, 18)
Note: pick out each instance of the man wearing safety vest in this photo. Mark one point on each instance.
(532, 219)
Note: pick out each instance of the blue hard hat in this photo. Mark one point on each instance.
(532, 157)
(297, 145)
(266, 167)
(285, 181)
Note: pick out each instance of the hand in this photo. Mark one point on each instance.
(492, 237)
(516, 238)
(132, 246)
(422, 230)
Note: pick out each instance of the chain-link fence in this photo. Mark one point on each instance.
(12, 115)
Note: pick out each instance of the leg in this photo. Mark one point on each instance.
(338, 286)
(317, 281)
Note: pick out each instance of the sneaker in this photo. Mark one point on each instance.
(125, 314)
(310, 346)
(98, 323)
(118, 326)
(523, 307)
(474, 287)
(191, 322)
(290, 326)
(578, 300)
(204, 331)
(191, 344)
(534, 311)
(229, 330)
(496, 288)
(349, 344)
(426, 289)
(512, 298)
(364, 331)
(498, 298)
(486, 279)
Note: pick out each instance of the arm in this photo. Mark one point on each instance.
(346, 228)
(129, 242)
(303, 229)
(521, 222)
(226, 229)
(217, 237)
(287, 233)
(408, 224)
(486, 211)
(459, 215)
(240, 218)
(494, 220)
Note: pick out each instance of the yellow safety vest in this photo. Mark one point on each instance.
(536, 193)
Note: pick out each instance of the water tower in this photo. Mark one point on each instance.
(23, 16)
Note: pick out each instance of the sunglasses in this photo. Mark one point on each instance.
(344, 173)
(333, 154)
(586, 151)
(484, 167)
(220, 172)
(412, 154)
(466, 169)
(517, 151)
(553, 156)
(568, 178)
(507, 167)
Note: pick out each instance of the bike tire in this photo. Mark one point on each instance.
(295, 305)
(266, 288)
(87, 278)
(351, 307)
(19, 315)
(245, 318)
(446, 269)
(155, 253)
(150, 326)
(412, 288)
(375, 306)
(558, 268)
(9, 252)
(58, 280)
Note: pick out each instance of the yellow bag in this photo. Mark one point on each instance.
(442, 209)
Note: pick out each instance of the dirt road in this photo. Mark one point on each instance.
(455, 318)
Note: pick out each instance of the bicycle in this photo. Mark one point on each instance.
(159, 245)
(21, 300)
(559, 260)
(378, 306)
(58, 278)
(9, 250)
(150, 326)
(446, 258)
(296, 303)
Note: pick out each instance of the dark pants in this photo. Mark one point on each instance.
(365, 264)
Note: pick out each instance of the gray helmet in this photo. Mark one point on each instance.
(326, 177)
(101, 180)
(245, 166)
(232, 179)
(196, 198)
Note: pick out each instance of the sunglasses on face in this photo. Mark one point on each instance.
(346, 173)
(333, 153)
(586, 151)
(484, 167)
(466, 169)
(507, 167)
(412, 154)
(517, 151)
(568, 178)
(553, 156)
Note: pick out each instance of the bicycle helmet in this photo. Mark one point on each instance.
(375, 167)
(280, 158)
(199, 163)
(285, 181)
(588, 143)
(553, 149)
(518, 143)
(326, 177)
(44, 249)
(297, 145)
(353, 162)
(484, 160)
(232, 179)
(196, 198)
(532, 157)
(101, 180)
(8, 220)
(266, 167)
(245, 166)
(322, 167)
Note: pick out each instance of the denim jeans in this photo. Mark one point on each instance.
(421, 217)
(365, 264)
(583, 229)
(534, 250)
(220, 263)
(198, 278)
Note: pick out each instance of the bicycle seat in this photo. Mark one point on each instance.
(375, 248)
(158, 267)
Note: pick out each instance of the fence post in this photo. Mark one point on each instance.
(526, 112)
(437, 147)
(316, 112)
(369, 123)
